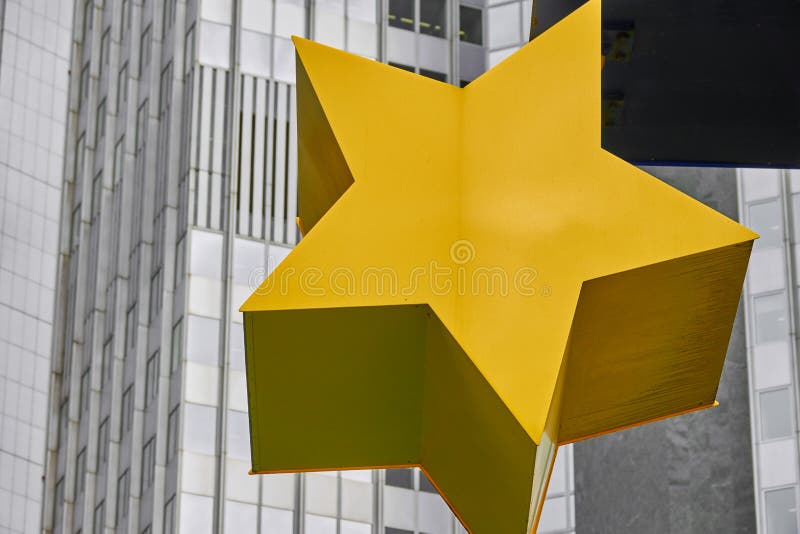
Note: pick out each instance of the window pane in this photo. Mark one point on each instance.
(290, 18)
(504, 27)
(471, 25)
(765, 219)
(770, 317)
(432, 17)
(199, 429)
(238, 435)
(274, 521)
(202, 340)
(401, 478)
(776, 414)
(781, 511)
(425, 484)
(400, 66)
(257, 15)
(320, 525)
(401, 14)
(442, 77)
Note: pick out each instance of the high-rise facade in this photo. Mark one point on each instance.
(34, 63)
(770, 205)
(179, 196)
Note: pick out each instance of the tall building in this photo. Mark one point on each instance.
(34, 56)
(179, 196)
(770, 204)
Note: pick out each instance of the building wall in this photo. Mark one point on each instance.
(34, 54)
(690, 474)
(770, 204)
(180, 195)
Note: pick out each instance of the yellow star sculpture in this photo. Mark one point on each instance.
(479, 281)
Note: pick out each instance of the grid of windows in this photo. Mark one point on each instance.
(35, 44)
(195, 204)
(767, 205)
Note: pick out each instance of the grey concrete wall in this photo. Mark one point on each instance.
(691, 474)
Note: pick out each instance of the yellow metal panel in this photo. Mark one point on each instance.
(479, 280)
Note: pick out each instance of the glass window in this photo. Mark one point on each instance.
(432, 17)
(795, 217)
(199, 428)
(85, 391)
(144, 51)
(99, 516)
(760, 183)
(169, 16)
(196, 514)
(401, 478)
(177, 341)
(102, 442)
(401, 14)
(363, 10)
(390, 530)
(97, 191)
(76, 227)
(130, 329)
(84, 86)
(256, 53)
(353, 527)
(105, 373)
(122, 88)
(148, 463)
(188, 50)
(770, 317)
(237, 347)
(80, 472)
(776, 414)
(104, 44)
(216, 10)
(100, 122)
(471, 30)
(122, 497)
(257, 15)
(238, 435)
(766, 219)
(400, 66)
(126, 15)
(169, 516)
(127, 409)
(504, 25)
(277, 521)
(151, 380)
(781, 513)
(240, 517)
(202, 340)
(172, 434)
(441, 76)
(118, 159)
(320, 525)
(290, 18)
(88, 17)
(425, 484)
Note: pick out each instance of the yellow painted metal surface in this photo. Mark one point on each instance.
(479, 281)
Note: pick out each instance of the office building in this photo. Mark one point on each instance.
(179, 196)
(770, 204)
(34, 57)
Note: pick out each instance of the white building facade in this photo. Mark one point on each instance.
(34, 65)
(179, 195)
